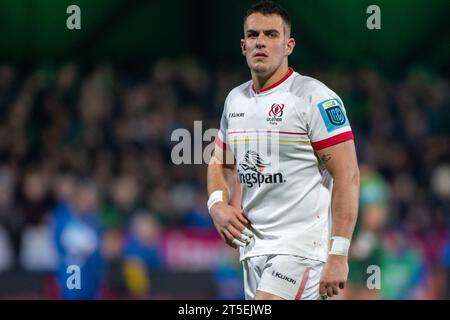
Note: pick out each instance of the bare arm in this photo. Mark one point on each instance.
(229, 221)
(220, 174)
(340, 160)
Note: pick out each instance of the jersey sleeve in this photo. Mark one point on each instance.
(327, 119)
(221, 139)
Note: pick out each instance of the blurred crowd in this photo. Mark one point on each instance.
(86, 176)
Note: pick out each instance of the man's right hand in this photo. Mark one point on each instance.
(231, 224)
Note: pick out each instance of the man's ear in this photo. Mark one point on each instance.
(243, 48)
(290, 45)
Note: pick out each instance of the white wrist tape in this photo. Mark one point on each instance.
(215, 197)
(340, 246)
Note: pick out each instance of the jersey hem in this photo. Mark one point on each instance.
(282, 252)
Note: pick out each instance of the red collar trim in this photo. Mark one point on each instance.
(288, 74)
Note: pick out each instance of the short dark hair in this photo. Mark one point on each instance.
(267, 7)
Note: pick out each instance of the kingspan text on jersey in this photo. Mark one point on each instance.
(253, 178)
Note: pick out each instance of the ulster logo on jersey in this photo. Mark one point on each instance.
(333, 114)
(275, 113)
(276, 110)
(255, 164)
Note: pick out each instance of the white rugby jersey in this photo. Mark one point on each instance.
(273, 134)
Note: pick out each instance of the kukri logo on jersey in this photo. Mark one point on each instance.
(253, 167)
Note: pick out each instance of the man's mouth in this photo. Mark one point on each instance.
(260, 54)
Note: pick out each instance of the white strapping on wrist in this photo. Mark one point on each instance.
(340, 246)
(215, 197)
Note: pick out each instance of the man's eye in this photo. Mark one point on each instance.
(272, 35)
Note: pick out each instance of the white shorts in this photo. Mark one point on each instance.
(289, 277)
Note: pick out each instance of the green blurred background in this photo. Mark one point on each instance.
(328, 33)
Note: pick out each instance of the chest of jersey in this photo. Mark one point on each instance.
(266, 132)
(269, 112)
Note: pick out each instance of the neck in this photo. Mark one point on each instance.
(261, 81)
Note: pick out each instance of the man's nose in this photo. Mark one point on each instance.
(260, 41)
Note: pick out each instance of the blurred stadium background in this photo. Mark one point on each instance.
(86, 117)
